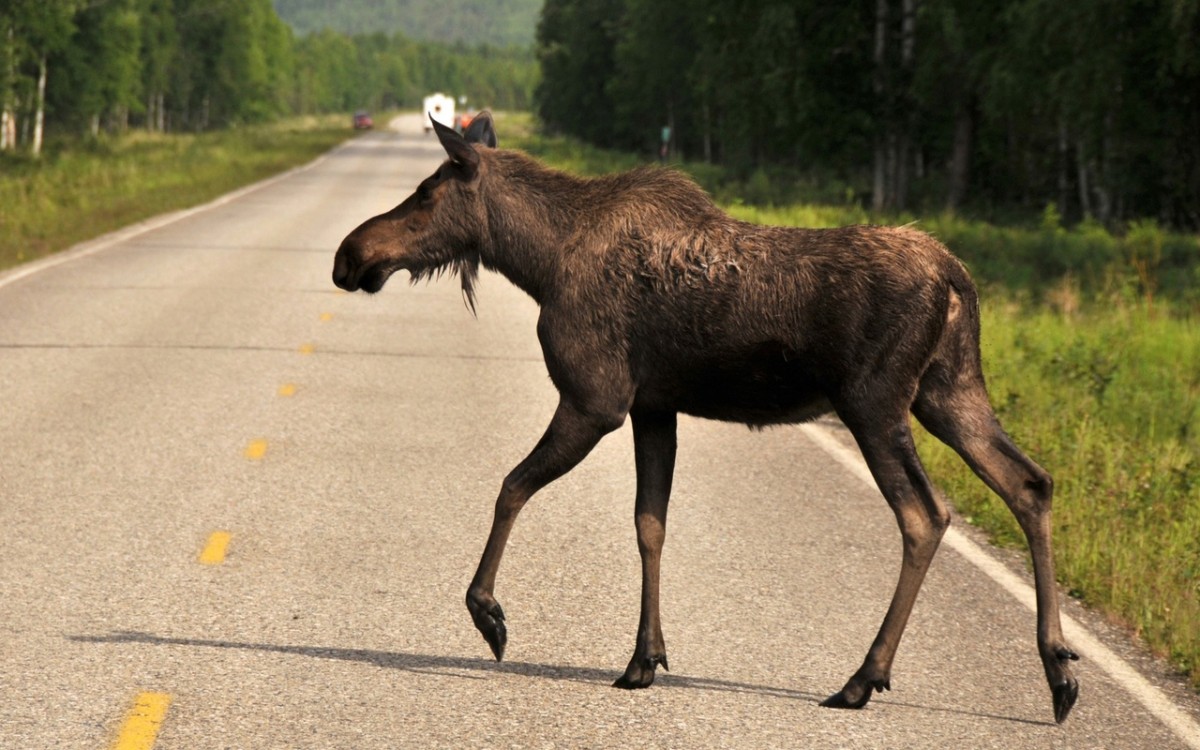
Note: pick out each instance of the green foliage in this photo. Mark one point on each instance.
(497, 23)
(564, 153)
(576, 49)
(1001, 108)
(103, 60)
(1140, 263)
(253, 64)
(174, 65)
(75, 193)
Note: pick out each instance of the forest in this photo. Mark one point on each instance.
(82, 67)
(498, 23)
(1001, 109)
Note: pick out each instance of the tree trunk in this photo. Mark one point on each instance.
(39, 116)
(892, 84)
(1105, 170)
(1085, 193)
(26, 121)
(879, 180)
(673, 137)
(1064, 159)
(960, 156)
(879, 195)
(903, 122)
(900, 161)
(8, 118)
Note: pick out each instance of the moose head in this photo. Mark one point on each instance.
(437, 228)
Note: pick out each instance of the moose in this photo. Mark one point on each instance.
(654, 302)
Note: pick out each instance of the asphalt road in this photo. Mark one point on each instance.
(200, 374)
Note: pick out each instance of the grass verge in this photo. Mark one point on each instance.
(84, 189)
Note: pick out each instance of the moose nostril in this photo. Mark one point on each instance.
(342, 270)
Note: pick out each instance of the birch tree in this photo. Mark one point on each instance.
(41, 28)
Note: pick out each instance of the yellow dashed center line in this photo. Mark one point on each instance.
(326, 317)
(256, 449)
(214, 549)
(143, 722)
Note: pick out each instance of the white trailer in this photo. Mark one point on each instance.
(441, 108)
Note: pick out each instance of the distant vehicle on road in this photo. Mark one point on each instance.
(362, 120)
(440, 107)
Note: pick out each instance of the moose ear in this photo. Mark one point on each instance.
(481, 130)
(457, 148)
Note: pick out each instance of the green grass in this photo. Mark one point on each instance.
(1091, 346)
(79, 190)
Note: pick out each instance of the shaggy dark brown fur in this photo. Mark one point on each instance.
(655, 302)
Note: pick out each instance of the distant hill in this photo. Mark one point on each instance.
(501, 23)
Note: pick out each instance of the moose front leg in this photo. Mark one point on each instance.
(923, 519)
(570, 437)
(654, 455)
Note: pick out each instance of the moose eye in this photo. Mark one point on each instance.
(427, 186)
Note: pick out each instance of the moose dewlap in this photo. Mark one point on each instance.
(655, 302)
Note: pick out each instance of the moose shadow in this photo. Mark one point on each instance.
(455, 666)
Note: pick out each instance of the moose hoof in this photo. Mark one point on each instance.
(856, 693)
(1065, 694)
(1065, 654)
(640, 672)
(1064, 688)
(489, 621)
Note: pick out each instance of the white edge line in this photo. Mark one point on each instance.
(1183, 725)
(95, 245)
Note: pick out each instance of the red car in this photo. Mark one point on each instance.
(363, 121)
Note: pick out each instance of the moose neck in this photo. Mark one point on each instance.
(532, 213)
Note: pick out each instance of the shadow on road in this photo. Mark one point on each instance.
(463, 667)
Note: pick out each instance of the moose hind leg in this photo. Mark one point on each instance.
(654, 454)
(570, 437)
(923, 519)
(964, 420)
